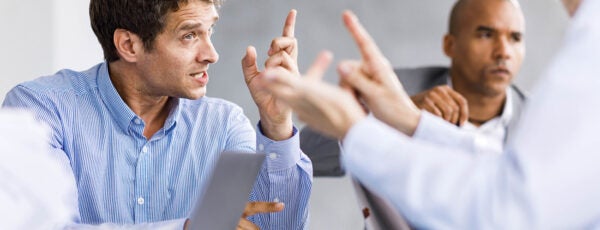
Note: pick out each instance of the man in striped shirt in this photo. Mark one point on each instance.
(141, 136)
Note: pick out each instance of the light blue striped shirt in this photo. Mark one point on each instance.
(124, 178)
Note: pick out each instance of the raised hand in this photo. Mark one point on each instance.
(444, 102)
(376, 83)
(275, 116)
(326, 108)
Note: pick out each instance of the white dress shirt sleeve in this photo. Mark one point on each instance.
(434, 186)
(436, 130)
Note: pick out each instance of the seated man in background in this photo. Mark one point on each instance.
(485, 43)
(139, 133)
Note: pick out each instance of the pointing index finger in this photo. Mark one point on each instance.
(290, 24)
(366, 45)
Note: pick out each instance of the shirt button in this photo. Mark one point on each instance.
(145, 149)
(261, 147)
(140, 201)
(137, 121)
(273, 156)
(276, 199)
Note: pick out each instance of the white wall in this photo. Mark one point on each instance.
(41, 37)
(75, 46)
(25, 41)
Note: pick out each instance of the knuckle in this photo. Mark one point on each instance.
(428, 101)
(446, 109)
(453, 106)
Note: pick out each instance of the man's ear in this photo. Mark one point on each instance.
(449, 43)
(128, 45)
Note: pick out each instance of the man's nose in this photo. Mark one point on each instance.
(207, 53)
(502, 49)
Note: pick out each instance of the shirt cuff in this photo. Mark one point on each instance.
(280, 154)
(436, 130)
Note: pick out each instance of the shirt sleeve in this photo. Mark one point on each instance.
(433, 185)
(289, 175)
(434, 129)
(45, 111)
(41, 106)
(286, 175)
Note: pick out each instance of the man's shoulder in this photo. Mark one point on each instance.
(422, 71)
(63, 81)
(418, 79)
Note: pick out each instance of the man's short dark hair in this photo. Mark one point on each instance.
(145, 18)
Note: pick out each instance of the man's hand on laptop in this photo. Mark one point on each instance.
(253, 208)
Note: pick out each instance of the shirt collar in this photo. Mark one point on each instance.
(507, 110)
(174, 115)
(122, 114)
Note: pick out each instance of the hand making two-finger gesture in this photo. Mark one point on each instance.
(275, 116)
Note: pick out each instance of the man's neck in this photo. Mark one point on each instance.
(482, 107)
(153, 110)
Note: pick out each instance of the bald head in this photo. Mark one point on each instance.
(463, 7)
(485, 43)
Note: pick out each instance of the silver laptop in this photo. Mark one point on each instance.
(221, 204)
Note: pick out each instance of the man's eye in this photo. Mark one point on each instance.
(516, 38)
(189, 36)
(485, 34)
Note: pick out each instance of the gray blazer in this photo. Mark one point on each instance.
(325, 153)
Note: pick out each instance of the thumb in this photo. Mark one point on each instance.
(249, 66)
(352, 76)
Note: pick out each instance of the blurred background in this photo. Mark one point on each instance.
(40, 37)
